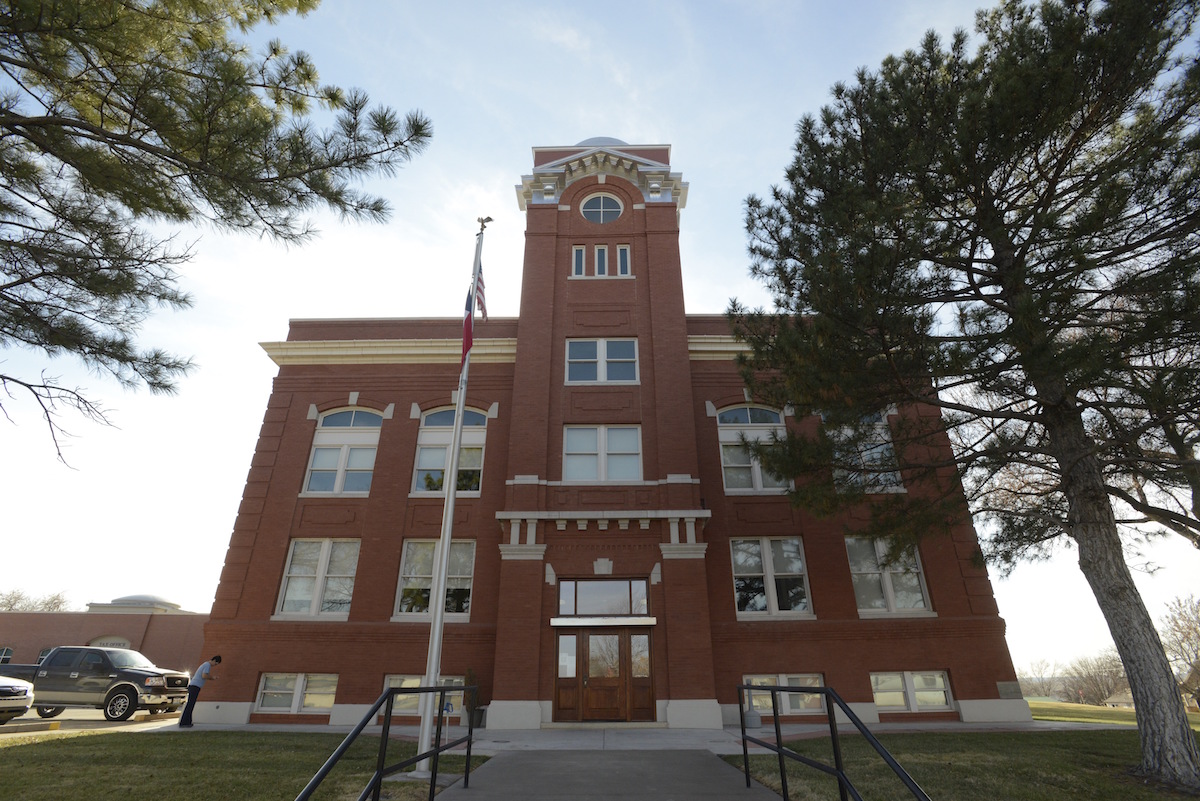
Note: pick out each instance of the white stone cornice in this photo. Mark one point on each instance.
(688, 550)
(715, 347)
(523, 553)
(389, 351)
(655, 179)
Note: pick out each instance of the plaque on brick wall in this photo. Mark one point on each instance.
(1009, 690)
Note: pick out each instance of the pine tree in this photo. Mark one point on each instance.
(118, 117)
(1006, 235)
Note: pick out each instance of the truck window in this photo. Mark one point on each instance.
(63, 657)
(93, 662)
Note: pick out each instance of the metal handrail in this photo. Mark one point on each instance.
(383, 770)
(837, 770)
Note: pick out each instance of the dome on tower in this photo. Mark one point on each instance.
(602, 141)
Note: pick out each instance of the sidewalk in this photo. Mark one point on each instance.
(609, 774)
(638, 763)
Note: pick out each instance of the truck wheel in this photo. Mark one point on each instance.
(120, 705)
(49, 711)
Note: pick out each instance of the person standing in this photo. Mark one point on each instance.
(202, 674)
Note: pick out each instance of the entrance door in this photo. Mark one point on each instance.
(604, 675)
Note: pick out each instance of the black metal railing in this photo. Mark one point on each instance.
(382, 769)
(833, 701)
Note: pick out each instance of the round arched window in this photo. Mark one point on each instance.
(601, 208)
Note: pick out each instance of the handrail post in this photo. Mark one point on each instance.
(381, 760)
(831, 716)
(745, 746)
(470, 730)
(779, 743)
(437, 741)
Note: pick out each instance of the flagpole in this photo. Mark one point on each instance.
(441, 554)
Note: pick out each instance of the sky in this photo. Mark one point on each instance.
(147, 505)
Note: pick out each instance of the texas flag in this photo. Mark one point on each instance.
(474, 298)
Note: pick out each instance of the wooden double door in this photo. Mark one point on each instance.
(604, 675)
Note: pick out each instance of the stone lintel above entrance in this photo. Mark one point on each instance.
(607, 621)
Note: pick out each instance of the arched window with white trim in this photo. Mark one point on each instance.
(741, 470)
(433, 451)
(343, 455)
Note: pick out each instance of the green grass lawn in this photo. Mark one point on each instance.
(1082, 713)
(265, 766)
(197, 766)
(1017, 766)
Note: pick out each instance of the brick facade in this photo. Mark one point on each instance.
(679, 660)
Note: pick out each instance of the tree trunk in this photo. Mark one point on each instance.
(1169, 752)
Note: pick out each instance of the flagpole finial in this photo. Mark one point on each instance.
(483, 221)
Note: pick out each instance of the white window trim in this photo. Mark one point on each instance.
(602, 362)
(910, 691)
(620, 208)
(602, 456)
(427, 615)
(767, 556)
(783, 680)
(298, 693)
(624, 262)
(732, 434)
(884, 483)
(441, 437)
(889, 594)
(343, 439)
(618, 262)
(319, 579)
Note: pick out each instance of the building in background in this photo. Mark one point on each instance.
(168, 635)
(617, 554)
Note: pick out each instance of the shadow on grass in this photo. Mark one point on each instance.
(198, 766)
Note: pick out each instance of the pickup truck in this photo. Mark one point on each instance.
(116, 680)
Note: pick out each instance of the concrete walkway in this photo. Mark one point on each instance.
(633, 762)
(632, 775)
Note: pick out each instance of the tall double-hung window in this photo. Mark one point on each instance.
(433, 451)
(868, 461)
(882, 587)
(742, 472)
(318, 580)
(602, 361)
(602, 453)
(413, 596)
(343, 455)
(770, 577)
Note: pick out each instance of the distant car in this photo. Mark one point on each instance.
(16, 696)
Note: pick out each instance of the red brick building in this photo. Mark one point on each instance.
(617, 555)
(168, 635)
